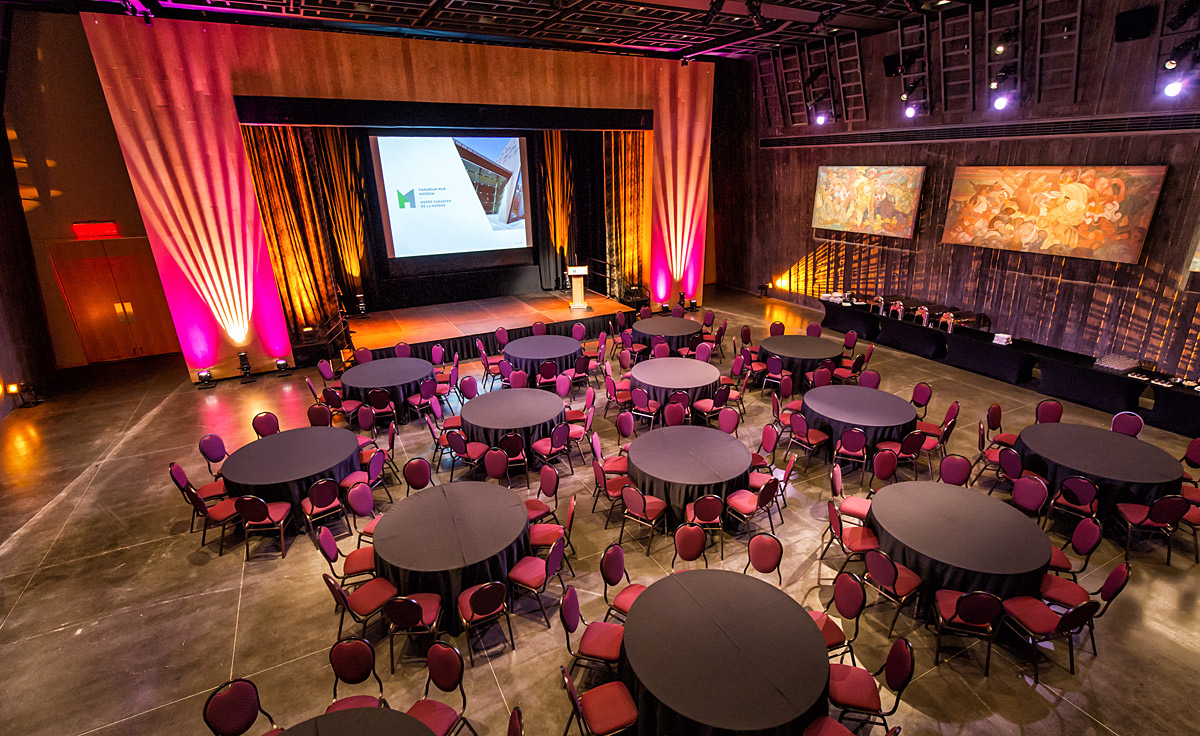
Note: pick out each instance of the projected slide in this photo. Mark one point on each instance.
(451, 195)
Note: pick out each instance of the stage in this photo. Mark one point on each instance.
(456, 325)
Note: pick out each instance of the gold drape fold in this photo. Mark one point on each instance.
(340, 178)
(295, 237)
(560, 192)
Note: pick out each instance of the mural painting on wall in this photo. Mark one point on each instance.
(876, 200)
(1097, 212)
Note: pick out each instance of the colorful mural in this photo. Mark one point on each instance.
(1098, 212)
(877, 200)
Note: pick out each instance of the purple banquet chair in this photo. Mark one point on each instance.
(402, 350)
(353, 662)
(361, 501)
(707, 512)
(258, 516)
(212, 448)
(359, 563)
(954, 470)
(727, 420)
(322, 502)
(207, 493)
(765, 553)
(418, 474)
(1048, 411)
(480, 607)
(265, 424)
(921, 396)
(869, 379)
(495, 465)
(813, 329)
(320, 415)
(612, 571)
(1127, 423)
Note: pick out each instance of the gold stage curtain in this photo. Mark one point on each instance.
(336, 154)
(557, 181)
(625, 212)
(295, 236)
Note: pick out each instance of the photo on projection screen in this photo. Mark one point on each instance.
(451, 195)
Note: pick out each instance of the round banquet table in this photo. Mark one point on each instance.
(716, 651)
(361, 722)
(1124, 468)
(447, 538)
(677, 331)
(882, 416)
(528, 353)
(284, 465)
(959, 539)
(799, 353)
(400, 377)
(681, 464)
(528, 412)
(662, 377)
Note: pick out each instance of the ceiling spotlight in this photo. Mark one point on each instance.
(910, 111)
(820, 118)
(999, 49)
(1000, 102)
(1173, 89)
(994, 84)
(1170, 64)
(754, 9)
(1183, 51)
(714, 7)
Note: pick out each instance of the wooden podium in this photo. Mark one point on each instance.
(576, 274)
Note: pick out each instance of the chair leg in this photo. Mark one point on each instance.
(896, 617)
(511, 638)
(987, 662)
(470, 649)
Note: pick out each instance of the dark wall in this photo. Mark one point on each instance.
(1144, 309)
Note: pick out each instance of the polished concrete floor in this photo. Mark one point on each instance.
(113, 619)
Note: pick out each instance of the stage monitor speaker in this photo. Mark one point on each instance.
(892, 65)
(1136, 24)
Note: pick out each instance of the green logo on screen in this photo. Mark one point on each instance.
(406, 200)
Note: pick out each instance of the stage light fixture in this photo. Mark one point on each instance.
(1183, 15)
(1000, 102)
(362, 304)
(13, 388)
(25, 393)
(754, 8)
(244, 366)
(1183, 50)
(820, 118)
(206, 379)
(1173, 89)
(693, 306)
(910, 111)
(682, 300)
(911, 89)
(999, 49)
(665, 308)
(714, 7)
(281, 367)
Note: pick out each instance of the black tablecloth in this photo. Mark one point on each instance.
(401, 377)
(985, 357)
(529, 412)
(284, 465)
(882, 416)
(677, 331)
(843, 318)
(717, 652)
(1084, 384)
(911, 337)
(1176, 409)
(447, 538)
(662, 377)
(799, 353)
(960, 539)
(528, 353)
(681, 464)
(1124, 468)
(362, 722)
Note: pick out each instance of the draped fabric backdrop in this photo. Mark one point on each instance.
(556, 182)
(339, 173)
(296, 239)
(625, 211)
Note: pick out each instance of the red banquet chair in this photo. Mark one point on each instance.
(260, 517)
(855, 541)
(765, 553)
(612, 571)
(600, 645)
(601, 711)
(362, 603)
(643, 510)
(353, 662)
(1160, 517)
(480, 607)
(359, 563)
(855, 507)
(849, 599)
(1037, 623)
(854, 691)
(1077, 496)
(361, 501)
(976, 614)
(411, 616)
(445, 667)
(1084, 541)
(826, 726)
(892, 580)
(1066, 594)
(543, 536)
(1048, 411)
(207, 493)
(532, 574)
(233, 708)
(690, 541)
(1127, 423)
(212, 448)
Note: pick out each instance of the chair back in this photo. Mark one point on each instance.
(428, 388)
(728, 420)
(539, 328)
(1127, 423)
(515, 725)
(352, 660)
(884, 464)
(869, 379)
(179, 478)
(982, 437)
(505, 369)
(662, 350)
(745, 335)
(921, 395)
(417, 473)
(265, 424)
(548, 481)
(625, 424)
(813, 329)
(690, 540)
(898, 668)
(775, 366)
(578, 331)
(340, 599)
(994, 417)
(488, 599)
(766, 552)
(849, 595)
(568, 611)
(402, 350)
(513, 445)
(709, 317)
(501, 337)
(312, 389)
(835, 519)
(562, 385)
(708, 510)
(767, 493)
(1078, 490)
(252, 509)
(622, 321)
(495, 463)
(554, 559)
(955, 470)
(445, 667)
(853, 439)
(857, 364)
(1168, 510)
(674, 414)
(645, 313)
(457, 442)
(1048, 411)
(835, 481)
(1029, 495)
(365, 417)
(640, 398)
(569, 686)
(332, 398)
(850, 341)
(547, 370)
(1086, 537)
(635, 502)
(612, 564)
(676, 311)
(1076, 618)
(402, 613)
(325, 368)
(559, 436)
(1191, 456)
(785, 387)
(323, 493)
(822, 377)
(911, 444)
(777, 328)
(597, 452)
(739, 364)
(328, 545)
(468, 387)
(212, 447)
(361, 500)
(704, 352)
(979, 609)
(770, 437)
(363, 355)
(375, 466)
(233, 708)
(320, 415)
(881, 568)
(1115, 583)
(518, 379)
(1010, 463)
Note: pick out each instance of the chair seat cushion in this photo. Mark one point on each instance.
(1062, 591)
(370, 596)
(704, 406)
(1137, 514)
(439, 717)
(454, 422)
(1059, 560)
(833, 634)
(859, 539)
(613, 486)
(744, 502)
(1007, 439)
(542, 446)
(364, 457)
(929, 428)
(536, 508)
(608, 708)
(545, 535)
(930, 444)
(464, 605)
(361, 560)
(1031, 613)
(575, 415)
(855, 507)
(277, 511)
(349, 406)
(358, 476)
(992, 457)
(417, 400)
(842, 373)
(529, 572)
(655, 507)
(476, 450)
(369, 529)
(1087, 509)
(222, 511)
(826, 726)
(354, 701)
(602, 640)
(758, 480)
(1192, 517)
(758, 461)
(209, 491)
(947, 603)
(907, 581)
(616, 465)
(854, 453)
(306, 505)
(365, 442)
(853, 687)
(431, 607)
(627, 596)
(577, 432)
(794, 406)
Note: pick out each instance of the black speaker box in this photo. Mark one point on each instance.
(1136, 24)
